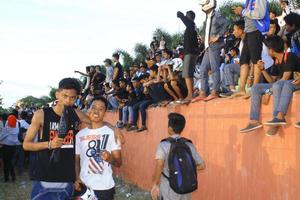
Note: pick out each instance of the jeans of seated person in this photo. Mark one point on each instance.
(113, 103)
(211, 61)
(282, 96)
(141, 106)
(256, 95)
(158, 93)
(230, 72)
(48, 191)
(127, 111)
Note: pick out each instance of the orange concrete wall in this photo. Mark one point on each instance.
(239, 166)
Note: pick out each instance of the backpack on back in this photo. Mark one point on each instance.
(182, 166)
(21, 133)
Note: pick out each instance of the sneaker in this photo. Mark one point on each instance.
(297, 125)
(251, 127)
(276, 122)
(272, 131)
(120, 125)
(133, 128)
(143, 128)
(226, 95)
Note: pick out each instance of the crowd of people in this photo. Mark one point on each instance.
(261, 51)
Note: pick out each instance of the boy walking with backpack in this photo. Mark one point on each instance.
(177, 162)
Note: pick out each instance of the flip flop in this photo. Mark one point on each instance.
(198, 98)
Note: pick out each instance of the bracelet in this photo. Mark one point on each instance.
(49, 145)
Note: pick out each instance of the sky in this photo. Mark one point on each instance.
(43, 41)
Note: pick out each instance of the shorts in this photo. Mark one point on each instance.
(189, 64)
(252, 49)
(105, 194)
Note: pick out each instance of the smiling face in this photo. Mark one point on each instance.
(97, 111)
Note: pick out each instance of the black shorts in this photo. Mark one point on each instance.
(105, 194)
(253, 45)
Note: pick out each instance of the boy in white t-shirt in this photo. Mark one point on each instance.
(96, 151)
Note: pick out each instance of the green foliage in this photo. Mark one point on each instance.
(275, 7)
(161, 32)
(226, 10)
(127, 58)
(176, 39)
(141, 51)
(52, 93)
(31, 101)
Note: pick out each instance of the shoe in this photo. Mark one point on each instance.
(143, 128)
(297, 125)
(226, 95)
(276, 122)
(272, 131)
(120, 125)
(133, 128)
(251, 127)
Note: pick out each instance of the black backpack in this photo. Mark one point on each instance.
(182, 166)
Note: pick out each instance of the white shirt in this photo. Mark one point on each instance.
(207, 30)
(95, 172)
(266, 58)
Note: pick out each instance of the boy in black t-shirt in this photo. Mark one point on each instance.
(285, 65)
(118, 69)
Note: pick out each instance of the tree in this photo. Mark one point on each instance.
(127, 58)
(275, 7)
(31, 101)
(226, 10)
(141, 51)
(52, 93)
(161, 32)
(176, 39)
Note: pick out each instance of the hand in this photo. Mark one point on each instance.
(56, 143)
(179, 14)
(296, 82)
(155, 192)
(261, 65)
(106, 156)
(77, 186)
(213, 39)
(237, 10)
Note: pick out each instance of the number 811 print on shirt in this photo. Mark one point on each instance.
(95, 148)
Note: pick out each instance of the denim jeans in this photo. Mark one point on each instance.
(230, 71)
(141, 106)
(211, 60)
(282, 96)
(256, 94)
(113, 103)
(40, 192)
(127, 110)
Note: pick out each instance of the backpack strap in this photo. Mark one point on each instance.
(173, 140)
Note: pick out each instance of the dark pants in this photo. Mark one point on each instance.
(158, 93)
(8, 155)
(105, 194)
(141, 106)
(120, 114)
(19, 158)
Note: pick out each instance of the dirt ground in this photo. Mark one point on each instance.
(20, 190)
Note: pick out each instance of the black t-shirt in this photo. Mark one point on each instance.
(190, 44)
(290, 63)
(64, 169)
(122, 94)
(120, 70)
(98, 79)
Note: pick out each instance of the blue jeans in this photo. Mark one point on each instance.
(113, 103)
(230, 71)
(39, 192)
(141, 106)
(283, 93)
(256, 94)
(211, 60)
(127, 110)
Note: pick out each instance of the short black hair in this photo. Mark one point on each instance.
(275, 22)
(191, 14)
(69, 84)
(240, 24)
(116, 82)
(154, 68)
(116, 55)
(24, 115)
(169, 52)
(100, 98)
(293, 19)
(176, 122)
(235, 49)
(276, 43)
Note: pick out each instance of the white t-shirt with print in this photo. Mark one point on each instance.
(95, 172)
